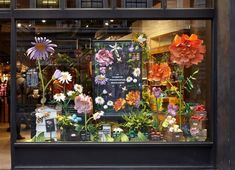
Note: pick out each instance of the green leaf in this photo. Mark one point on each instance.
(124, 137)
(109, 138)
(141, 137)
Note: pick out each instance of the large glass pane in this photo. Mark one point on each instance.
(138, 4)
(5, 3)
(5, 142)
(89, 4)
(121, 80)
(189, 3)
(37, 3)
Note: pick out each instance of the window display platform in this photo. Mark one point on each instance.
(115, 155)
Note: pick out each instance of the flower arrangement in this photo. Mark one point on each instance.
(186, 51)
(41, 50)
(159, 72)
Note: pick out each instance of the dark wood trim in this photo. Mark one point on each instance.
(113, 14)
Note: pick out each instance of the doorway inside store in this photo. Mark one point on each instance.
(5, 157)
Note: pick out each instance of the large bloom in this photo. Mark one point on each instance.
(186, 51)
(172, 109)
(133, 98)
(59, 97)
(42, 46)
(98, 115)
(65, 77)
(83, 104)
(78, 88)
(99, 100)
(119, 104)
(104, 57)
(159, 72)
(136, 72)
(101, 79)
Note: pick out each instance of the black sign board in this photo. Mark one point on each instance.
(117, 76)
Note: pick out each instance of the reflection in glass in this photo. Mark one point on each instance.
(119, 66)
(138, 4)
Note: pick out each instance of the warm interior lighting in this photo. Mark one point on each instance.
(5, 1)
(49, 2)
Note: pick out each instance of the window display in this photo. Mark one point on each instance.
(140, 81)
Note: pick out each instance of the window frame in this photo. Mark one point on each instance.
(209, 148)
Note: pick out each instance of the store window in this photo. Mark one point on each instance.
(189, 3)
(114, 80)
(89, 4)
(138, 4)
(37, 3)
(5, 3)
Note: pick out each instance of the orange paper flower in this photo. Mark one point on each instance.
(119, 104)
(186, 51)
(133, 98)
(159, 72)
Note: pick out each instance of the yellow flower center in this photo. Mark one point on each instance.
(40, 46)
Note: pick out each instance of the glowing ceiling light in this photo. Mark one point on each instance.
(44, 21)
(5, 1)
(49, 2)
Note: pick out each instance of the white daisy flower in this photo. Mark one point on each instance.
(99, 100)
(98, 115)
(105, 107)
(141, 39)
(65, 77)
(59, 97)
(136, 72)
(70, 93)
(110, 103)
(105, 91)
(129, 79)
(78, 88)
(135, 81)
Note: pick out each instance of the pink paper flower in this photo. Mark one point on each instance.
(104, 57)
(83, 104)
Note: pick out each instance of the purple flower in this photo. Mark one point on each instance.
(104, 57)
(131, 49)
(57, 74)
(42, 46)
(172, 109)
(101, 79)
(103, 70)
(157, 92)
(83, 104)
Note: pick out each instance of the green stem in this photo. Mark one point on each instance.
(48, 83)
(42, 81)
(180, 104)
(85, 122)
